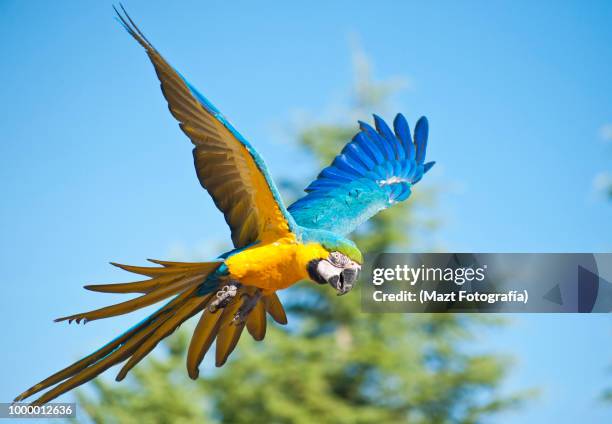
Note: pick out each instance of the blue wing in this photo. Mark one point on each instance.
(374, 171)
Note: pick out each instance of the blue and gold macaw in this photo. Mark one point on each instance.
(274, 247)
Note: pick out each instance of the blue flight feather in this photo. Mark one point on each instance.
(368, 146)
(354, 153)
(385, 131)
(421, 132)
(375, 138)
(402, 130)
(341, 162)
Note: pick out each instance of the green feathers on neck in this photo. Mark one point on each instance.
(333, 242)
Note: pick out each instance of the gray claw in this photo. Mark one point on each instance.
(246, 308)
(224, 295)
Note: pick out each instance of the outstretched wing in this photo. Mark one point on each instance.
(226, 164)
(374, 171)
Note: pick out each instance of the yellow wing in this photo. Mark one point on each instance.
(227, 166)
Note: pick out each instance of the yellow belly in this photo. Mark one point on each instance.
(274, 266)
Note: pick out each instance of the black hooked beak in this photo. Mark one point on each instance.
(344, 281)
(348, 278)
(341, 279)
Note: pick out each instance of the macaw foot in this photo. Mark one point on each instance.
(246, 308)
(224, 296)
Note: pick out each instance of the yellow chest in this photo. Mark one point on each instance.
(274, 266)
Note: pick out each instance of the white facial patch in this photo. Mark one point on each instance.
(326, 270)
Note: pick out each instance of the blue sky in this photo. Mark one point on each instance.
(93, 168)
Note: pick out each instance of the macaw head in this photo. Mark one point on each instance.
(340, 269)
(337, 270)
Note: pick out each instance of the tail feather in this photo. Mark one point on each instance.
(191, 307)
(203, 336)
(155, 271)
(100, 353)
(167, 263)
(157, 280)
(140, 302)
(144, 286)
(118, 355)
(275, 308)
(227, 339)
(140, 339)
(82, 364)
(256, 322)
(158, 288)
(189, 299)
(220, 325)
(228, 331)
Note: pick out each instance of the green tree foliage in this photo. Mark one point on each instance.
(332, 363)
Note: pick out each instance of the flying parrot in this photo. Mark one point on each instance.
(274, 246)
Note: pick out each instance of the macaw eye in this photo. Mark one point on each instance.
(338, 259)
